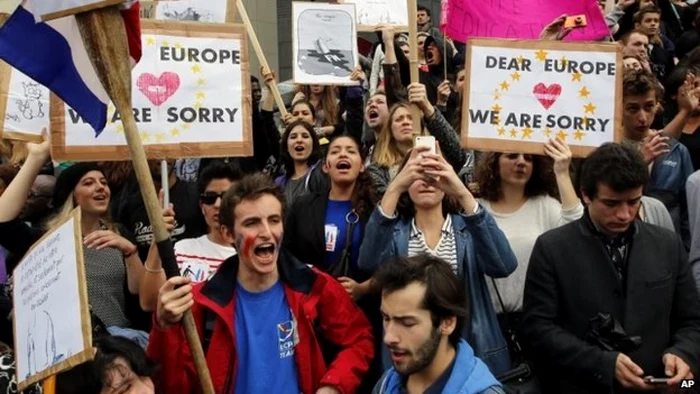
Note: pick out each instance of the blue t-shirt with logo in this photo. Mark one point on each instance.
(266, 334)
(336, 232)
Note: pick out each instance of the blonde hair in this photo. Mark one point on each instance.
(19, 153)
(65, 210)
(328, 103)
(387, 153)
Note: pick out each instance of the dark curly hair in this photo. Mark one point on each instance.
(364, 197)
(407, 209)
(286, 159)
(488, 177)
(618, 166)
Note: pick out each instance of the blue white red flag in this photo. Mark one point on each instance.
(53, 54)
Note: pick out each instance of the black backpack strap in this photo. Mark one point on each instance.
(209, 319)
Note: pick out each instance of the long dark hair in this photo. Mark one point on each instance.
(286, 159)
(541, 182)
(364, 196)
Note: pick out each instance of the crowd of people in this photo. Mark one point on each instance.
(342, 258)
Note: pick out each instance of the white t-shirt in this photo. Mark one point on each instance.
(199, 258)
(522, 227)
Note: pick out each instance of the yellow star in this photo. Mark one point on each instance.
(201, 81)
(515, 76)
(160, 137)
(576, 77)
(186, 126)
(520, 59)
(548, 132)
(120, 129)
(178, 45)
(174, 132)
(496, 108)
(504, 85)
(198, 105)
(563, 60)
(496, 97)
(590, 108)
(145, 137)
(541, 55)
(150, 41)
(562, 135)
(527, 133)
(579, 135)
(514, 133)
(201, 95)
(165, 43)
(584, 92)
(501, 131)
(196, 69)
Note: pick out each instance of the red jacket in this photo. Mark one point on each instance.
(320, 306)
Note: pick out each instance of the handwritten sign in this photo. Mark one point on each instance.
(519, 19)
(519, 94)
(51, 317)
(324, 41)
(372, 13)
(191, 98)
(210, 11)
(24, 105)
(59, 8)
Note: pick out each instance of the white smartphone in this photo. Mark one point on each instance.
(426, 140)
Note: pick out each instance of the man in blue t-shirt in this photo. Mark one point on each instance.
(263, 314)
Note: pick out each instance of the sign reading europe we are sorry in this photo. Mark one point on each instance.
(519, 94)
(190, 97)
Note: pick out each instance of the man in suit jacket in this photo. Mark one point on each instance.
(611, 263)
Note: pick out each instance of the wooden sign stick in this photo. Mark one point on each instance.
(104, 36)
(413, 62)
(261, 56)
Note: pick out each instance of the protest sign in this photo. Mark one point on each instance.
(522, 19)
(24, 105)
(519, 94)
(324, 42)
(210, 11)
(59, 8)
(51, 319)
(191, 98)
(372, 13)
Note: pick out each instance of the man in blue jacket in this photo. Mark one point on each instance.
(423, 306)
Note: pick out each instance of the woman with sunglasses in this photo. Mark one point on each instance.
(197, 258)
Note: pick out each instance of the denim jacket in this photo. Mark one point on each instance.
(482, 249)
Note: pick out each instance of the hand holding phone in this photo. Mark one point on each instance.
(657, 381)
(575, 21)
(427, 141)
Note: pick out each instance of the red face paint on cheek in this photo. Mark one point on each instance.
(245, 246)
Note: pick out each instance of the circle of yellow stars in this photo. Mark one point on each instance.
(583, 93)
(200, 96)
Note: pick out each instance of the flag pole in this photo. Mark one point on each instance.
(104, 36)
(240, 8)
(413, 61)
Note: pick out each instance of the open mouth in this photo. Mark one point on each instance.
(343, 165)
(299, 148)
(265, 250)
(373, 114)
(100, 197)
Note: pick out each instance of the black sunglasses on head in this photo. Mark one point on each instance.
(210, 198)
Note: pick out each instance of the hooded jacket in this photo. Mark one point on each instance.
(469, 376)
(321, 310)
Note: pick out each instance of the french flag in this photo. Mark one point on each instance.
(53, 54)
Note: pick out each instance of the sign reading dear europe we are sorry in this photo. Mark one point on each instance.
(24, 105)
(519, 94)
(51, 314)
(190, 97)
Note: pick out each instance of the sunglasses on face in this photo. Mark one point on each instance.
(210, 198)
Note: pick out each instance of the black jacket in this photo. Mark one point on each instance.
(571, 279)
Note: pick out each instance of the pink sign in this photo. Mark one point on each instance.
(522, 19)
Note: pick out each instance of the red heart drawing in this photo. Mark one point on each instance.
(158, 90)
(547, 95)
